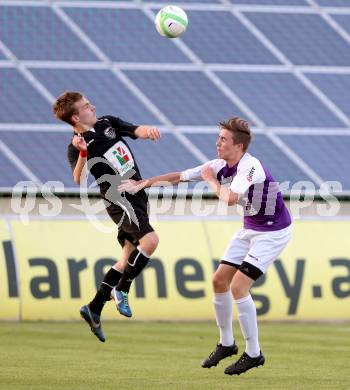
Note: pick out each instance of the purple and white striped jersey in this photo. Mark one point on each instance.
(259, 195)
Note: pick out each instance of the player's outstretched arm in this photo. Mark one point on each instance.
(133, 186)
(148, 132)
(221, 192)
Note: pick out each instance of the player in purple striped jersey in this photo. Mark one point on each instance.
(266, 232)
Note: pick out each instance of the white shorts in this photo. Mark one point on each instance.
(260, 249)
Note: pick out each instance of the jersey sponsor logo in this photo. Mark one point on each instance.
(250, 174)
(110, 133)
(120, 157)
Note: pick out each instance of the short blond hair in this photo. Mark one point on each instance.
(64, 106)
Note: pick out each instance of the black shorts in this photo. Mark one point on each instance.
(127, 229)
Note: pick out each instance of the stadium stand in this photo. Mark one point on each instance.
(282, 64)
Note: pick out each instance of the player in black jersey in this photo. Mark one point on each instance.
(98, 144)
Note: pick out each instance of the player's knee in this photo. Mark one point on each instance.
(239, 291)
(154, 242)
(219, 283)
(149, 243)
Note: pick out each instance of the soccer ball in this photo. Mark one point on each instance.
(171, 21)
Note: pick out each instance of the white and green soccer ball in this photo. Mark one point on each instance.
(171, 21)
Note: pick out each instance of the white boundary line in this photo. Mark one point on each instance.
(323, 69)
(205, 129)
(310, 131)
(94, 65)
(23, 3)
(192, 6)
(34, 127)
(186, 67)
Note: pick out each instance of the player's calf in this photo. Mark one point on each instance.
(136, 263)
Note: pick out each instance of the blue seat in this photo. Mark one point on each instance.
(44, 153)
(102, 88)
(36, 33)
(219, 37)
(306, 39)
(20, 102)
(186, 98)
(10, 175)
(328, 155)
(336, 87)
(126, 35)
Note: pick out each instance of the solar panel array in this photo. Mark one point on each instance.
(282, 64)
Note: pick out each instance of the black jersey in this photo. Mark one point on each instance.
(105, 141)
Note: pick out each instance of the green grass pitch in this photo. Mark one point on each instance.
(152, 355)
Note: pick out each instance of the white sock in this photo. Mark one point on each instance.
(223, 305)
(249, 325)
